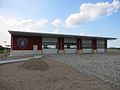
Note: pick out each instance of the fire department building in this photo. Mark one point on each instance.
(29, 43)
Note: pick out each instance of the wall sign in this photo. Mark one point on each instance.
(22, 42)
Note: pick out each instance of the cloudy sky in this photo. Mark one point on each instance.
(78, 17)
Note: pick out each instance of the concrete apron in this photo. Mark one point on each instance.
(18, 60)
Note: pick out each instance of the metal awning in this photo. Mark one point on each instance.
(21, 33)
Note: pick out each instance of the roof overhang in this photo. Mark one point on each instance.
(21, 33)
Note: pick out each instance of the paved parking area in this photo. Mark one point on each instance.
(103, 66)
(18, 60)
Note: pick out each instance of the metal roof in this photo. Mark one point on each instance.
(21, 33)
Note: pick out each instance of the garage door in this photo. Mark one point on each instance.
(70, 45)
(87, 46)
(49, 46)
(100, 46)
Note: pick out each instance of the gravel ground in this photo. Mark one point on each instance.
(46, 74)
(104, 66)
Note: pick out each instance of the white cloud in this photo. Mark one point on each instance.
(55, 31)
(7, 23)
(90, 12)
(4, 35)
(57, 23)
(114, 43)
(29, 24)
(23, 24)
(41, 22)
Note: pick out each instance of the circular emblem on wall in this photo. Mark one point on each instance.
(22, 42)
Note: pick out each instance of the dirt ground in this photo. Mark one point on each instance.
(46, 74)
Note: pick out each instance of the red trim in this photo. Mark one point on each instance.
(60, 44)
(105, 45)
(40, 43)
(79, 43)
(94, 44)
(11, 43)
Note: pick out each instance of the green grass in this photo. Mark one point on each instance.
(1, 51)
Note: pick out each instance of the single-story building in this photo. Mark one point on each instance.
(31, 43)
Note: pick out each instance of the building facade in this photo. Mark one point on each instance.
(28, 43)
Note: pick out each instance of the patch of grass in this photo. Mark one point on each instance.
(114, 48)
(1, 51)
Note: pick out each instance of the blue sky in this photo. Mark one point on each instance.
(79, 17)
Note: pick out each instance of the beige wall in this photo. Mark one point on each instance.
(24, 52)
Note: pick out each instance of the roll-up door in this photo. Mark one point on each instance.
(49, 45)
(70, 45)
(87, 46)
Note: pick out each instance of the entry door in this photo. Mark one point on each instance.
(35, 49)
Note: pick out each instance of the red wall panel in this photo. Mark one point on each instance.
(105, 45)
(94, 44)
(60, 43)
(79, 43)
(32, 40)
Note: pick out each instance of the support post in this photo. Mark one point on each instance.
(61, 45)
(79, 46)
(94, 45)
(40, 45)
(105, 45)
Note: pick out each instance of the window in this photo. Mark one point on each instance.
(45, 46)
(50, 45)
(70, 45)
